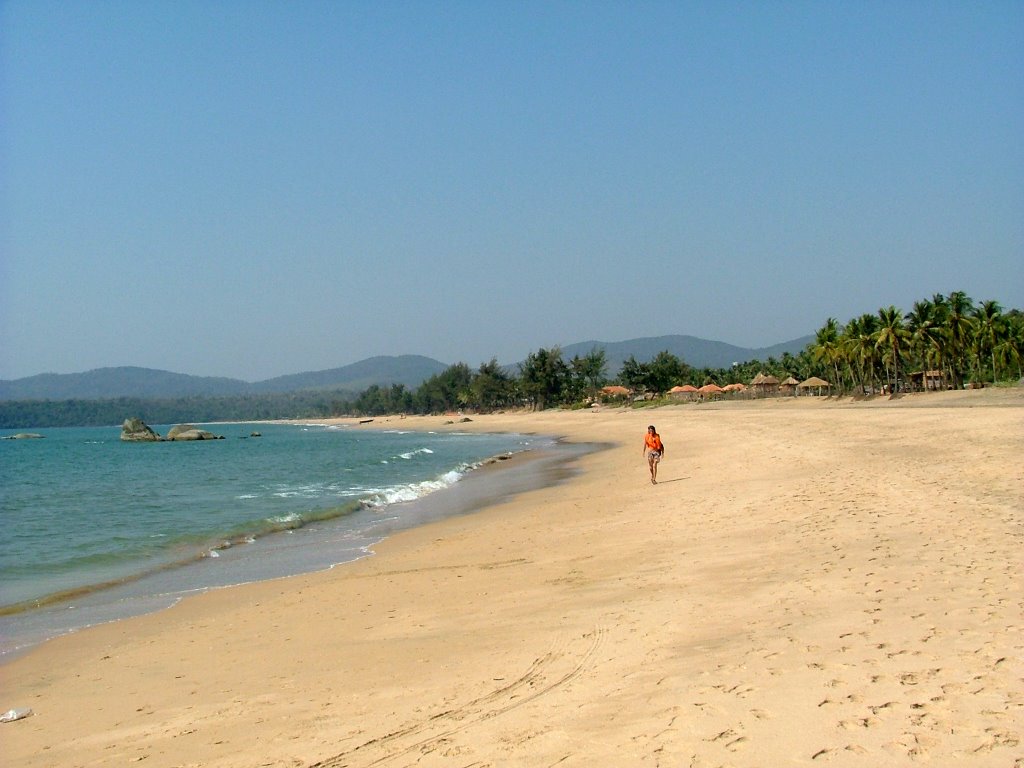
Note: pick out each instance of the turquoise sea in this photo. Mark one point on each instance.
(94, 529)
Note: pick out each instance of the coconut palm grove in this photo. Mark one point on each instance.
(947, 341)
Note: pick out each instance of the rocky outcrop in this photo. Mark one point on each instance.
(188, 432)
(22, 436)
(137, 431)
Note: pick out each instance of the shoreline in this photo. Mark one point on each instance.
(805, 583)
(36, 622)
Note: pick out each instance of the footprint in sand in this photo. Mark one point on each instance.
(998, 738)
(732, 740)
(882, 707)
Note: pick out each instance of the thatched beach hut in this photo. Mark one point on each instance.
(788, 387)
(710, 390)
(813, 383)
(614, 392)
(927, 381)
(685, 392)
(733, 390)
(764, 386)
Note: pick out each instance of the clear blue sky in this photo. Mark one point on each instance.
(251, 189)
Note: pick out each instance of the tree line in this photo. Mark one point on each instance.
(16, 414)
(871, 353)
(950, 335)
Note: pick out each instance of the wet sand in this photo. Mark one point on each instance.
(811, 582)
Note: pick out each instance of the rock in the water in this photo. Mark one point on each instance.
(179, 429)
(22, 436)
(137, 431)
(189, 432)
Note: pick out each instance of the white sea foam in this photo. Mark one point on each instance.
(410, 454)
(412, 491)
(301, 492)
(290, 521)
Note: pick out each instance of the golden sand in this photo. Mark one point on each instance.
(811, 582)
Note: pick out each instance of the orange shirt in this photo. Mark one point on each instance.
(653, 442)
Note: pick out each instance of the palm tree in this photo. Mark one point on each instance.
(846, 350)
(892, 337)
(959, 329)
(805, 364)
(826, 348)
(988, 323)
(858, 344)
(926, 336)
(1011, 343)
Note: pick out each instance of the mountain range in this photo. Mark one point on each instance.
(695, 352)
(410, 370)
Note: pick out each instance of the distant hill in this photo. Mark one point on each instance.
(410, 370)
(104, 383)
(124, 381)
(695, 352)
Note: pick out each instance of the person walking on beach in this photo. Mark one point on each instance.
(654, 449)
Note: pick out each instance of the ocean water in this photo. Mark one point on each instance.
(93, 529)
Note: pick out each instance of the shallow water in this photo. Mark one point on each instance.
(95, 529)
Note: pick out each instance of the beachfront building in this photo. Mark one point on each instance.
(814, 383)
(764, 386)
(685, 392)
(927, 381)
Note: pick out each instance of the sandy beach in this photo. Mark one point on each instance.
(811, 582)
